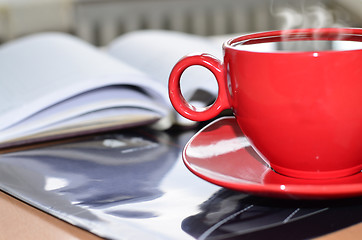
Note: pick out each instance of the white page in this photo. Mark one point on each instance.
(102, 119)
(155, 52)
(104, 98)
(40, 70)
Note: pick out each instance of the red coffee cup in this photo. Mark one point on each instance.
(300, 109)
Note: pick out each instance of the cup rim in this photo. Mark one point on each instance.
(349, 34)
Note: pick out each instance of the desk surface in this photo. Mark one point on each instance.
(95, 184)
(19, 220)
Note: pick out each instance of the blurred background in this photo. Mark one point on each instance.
(100, 21)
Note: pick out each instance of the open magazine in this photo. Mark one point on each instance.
(54, 85)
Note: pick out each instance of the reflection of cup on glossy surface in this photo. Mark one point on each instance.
(301, 108)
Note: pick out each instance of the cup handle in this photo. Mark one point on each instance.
(178, 101)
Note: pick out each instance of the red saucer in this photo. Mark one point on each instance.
(219, 153)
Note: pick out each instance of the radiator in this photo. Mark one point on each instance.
(100, 21)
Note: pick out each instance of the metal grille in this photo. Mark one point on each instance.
(202, 17)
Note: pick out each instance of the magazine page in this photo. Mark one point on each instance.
(41, 70)
(104, 120)
(134, 185)
(77, 111)
(155, 52)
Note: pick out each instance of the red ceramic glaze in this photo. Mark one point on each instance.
(302, 111)
(213, 153)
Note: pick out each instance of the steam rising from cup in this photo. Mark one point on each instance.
(304, 14)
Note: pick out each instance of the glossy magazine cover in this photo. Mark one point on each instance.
(133, 185)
